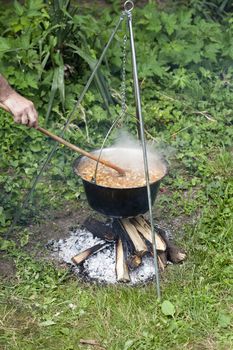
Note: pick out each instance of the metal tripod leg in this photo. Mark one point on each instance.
(128, 9)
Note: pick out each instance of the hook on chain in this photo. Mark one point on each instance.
(128, 6)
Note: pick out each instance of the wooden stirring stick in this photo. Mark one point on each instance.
(75, 148)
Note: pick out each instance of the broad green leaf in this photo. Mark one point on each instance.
(24, 238)
(224, 320)
(5, 244)
(35, 147)
(19, 9)
(4, 44)
(30, 80)
(169, 21)
(211, 51)
(168, 308)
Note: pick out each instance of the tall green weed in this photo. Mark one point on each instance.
(46, 52)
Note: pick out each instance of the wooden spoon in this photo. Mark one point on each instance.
(74, 148)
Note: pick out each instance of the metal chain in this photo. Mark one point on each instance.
(123, 103)
(123, 77)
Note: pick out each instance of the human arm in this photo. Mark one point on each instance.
(22, 109)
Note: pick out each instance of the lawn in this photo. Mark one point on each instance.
(186, 79)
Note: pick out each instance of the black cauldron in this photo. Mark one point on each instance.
(118, 202)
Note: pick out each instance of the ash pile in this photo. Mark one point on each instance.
(119, 250)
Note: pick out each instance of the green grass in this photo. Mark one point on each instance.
(46, 308)
(183, 85)
(58, 318)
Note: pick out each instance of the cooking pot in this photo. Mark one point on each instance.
(118, 202)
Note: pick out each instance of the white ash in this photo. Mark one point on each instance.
(99, 267)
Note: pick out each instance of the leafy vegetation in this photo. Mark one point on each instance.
(185, 56)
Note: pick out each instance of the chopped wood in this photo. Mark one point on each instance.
(139, 244)
(163, 257)
(99, 229)
(119, 231)
(144, 228)
(133, 239)
(134, 261)
(175, 254)
(122, 271)
(161, 264)
(81, 257)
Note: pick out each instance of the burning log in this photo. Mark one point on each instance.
(163, 257)
(81, 257)
(160, 263)
(162, 260)
(132, 239)
(140, 246)
(122, 271)
(134, 261)
(144, 228)
(174, 253)
(119, 231)
(99, 229)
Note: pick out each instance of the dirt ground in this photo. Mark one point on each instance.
(58, 225)
(7, 267)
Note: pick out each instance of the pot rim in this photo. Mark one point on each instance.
(79, 158)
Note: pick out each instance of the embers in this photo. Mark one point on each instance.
(132, 240)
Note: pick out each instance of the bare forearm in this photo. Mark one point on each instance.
(5, 89)
(22, 109)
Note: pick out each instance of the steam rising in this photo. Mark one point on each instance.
(127, 153)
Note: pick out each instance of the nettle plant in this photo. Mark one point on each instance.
(45, 54)
(47, 50)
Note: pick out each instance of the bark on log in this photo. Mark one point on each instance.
(174, 253)
(81, 257)
(144, 228)
(134, 261)
(163, 258)
(122, 271)
(161, 264)
(119, 231)
(140, 246)
(99, 229)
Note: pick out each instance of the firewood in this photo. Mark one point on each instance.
(174, 253)
(119, 231)
(140, 245)
(163, 257)
(122, 271)
(81, 257)
(99, 229)
(161, 264)
(134, 261)
(144, 228)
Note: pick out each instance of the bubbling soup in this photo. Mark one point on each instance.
(131, 160)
